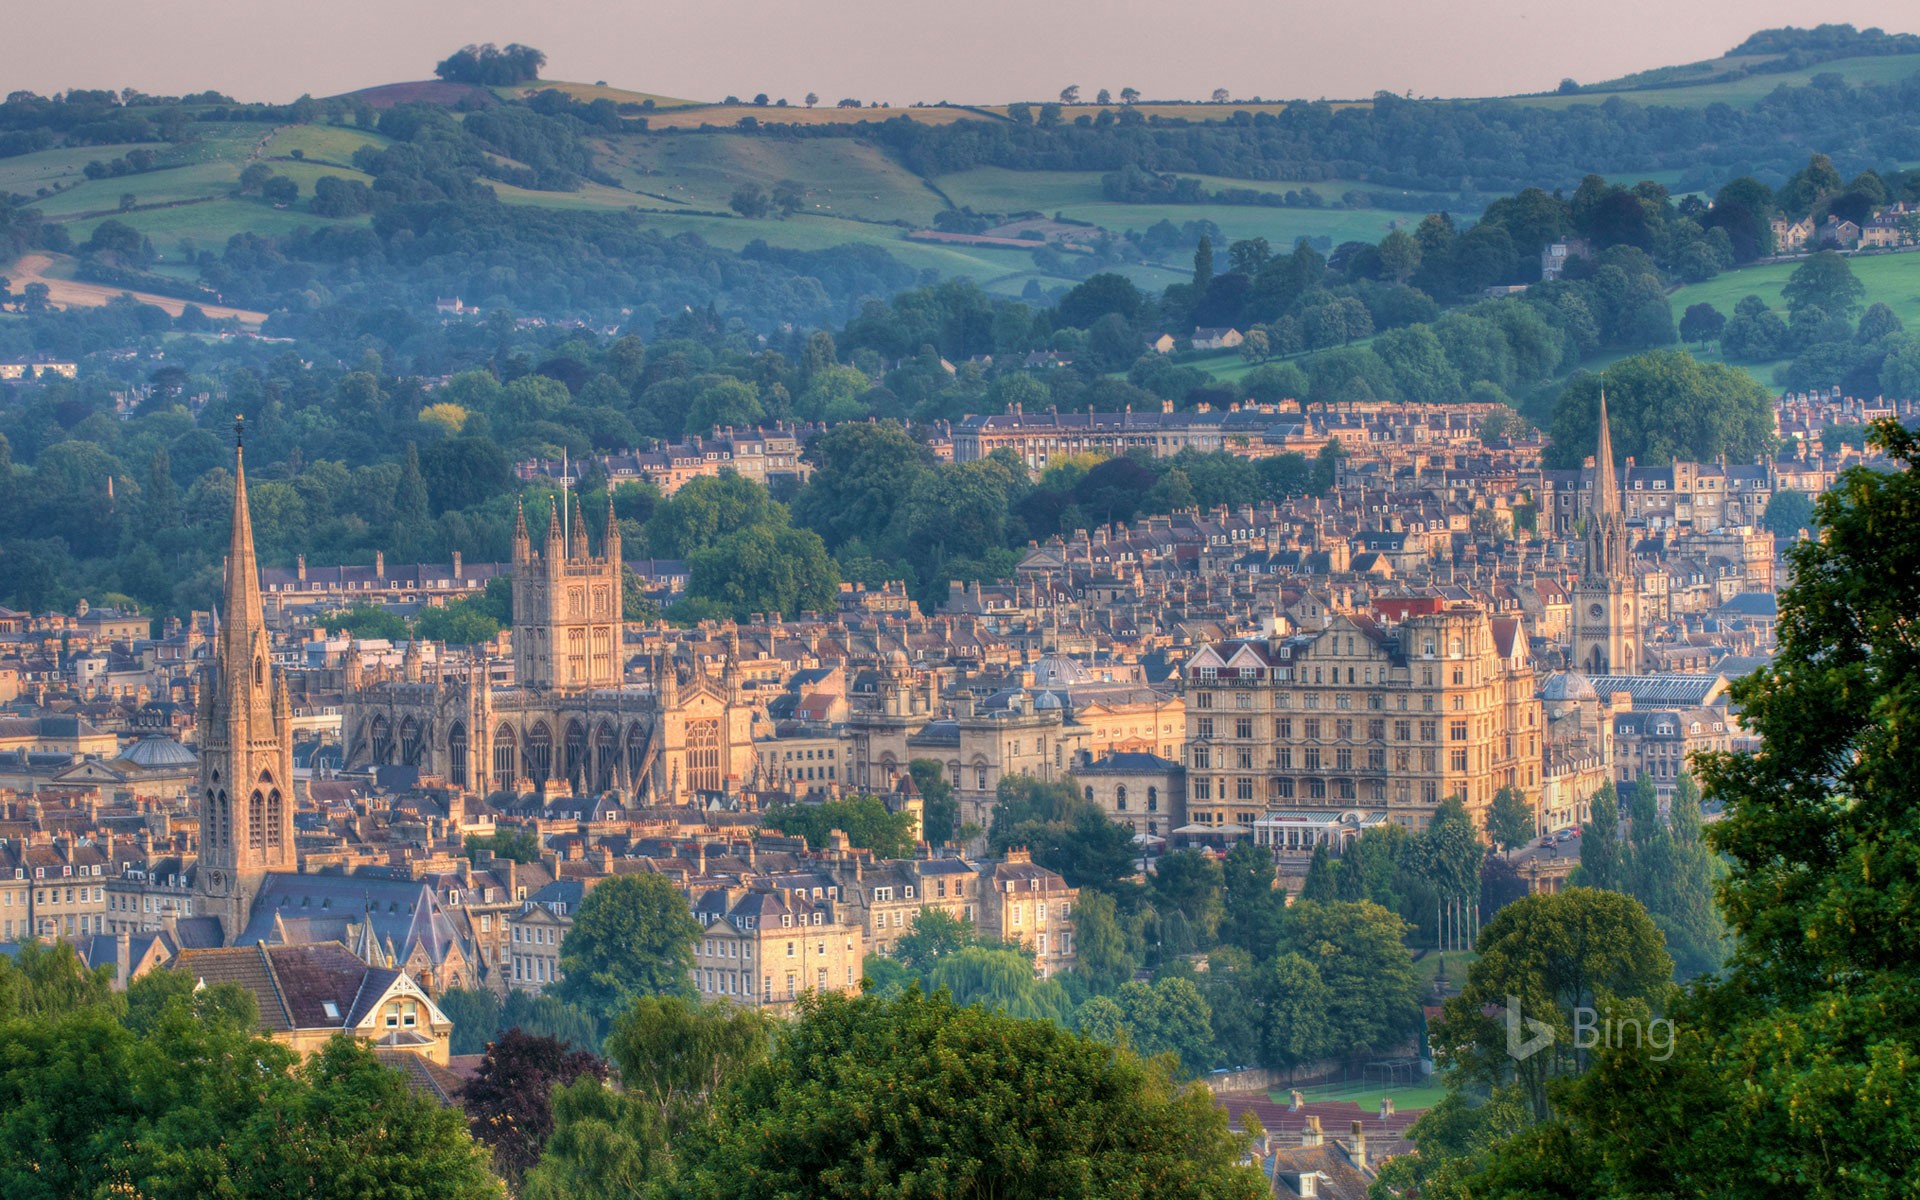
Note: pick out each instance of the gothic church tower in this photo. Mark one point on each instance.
(567, 607)
(246, 749)
(1606, 602)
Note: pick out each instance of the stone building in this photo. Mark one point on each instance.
(1362, 716)
(570, 725)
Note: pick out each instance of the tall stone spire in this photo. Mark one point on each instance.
(244, 620)
(1606, 488)
(522, 542)
(579, 548)
(245, 789)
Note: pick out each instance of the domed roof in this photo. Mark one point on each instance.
(1046, 700)
(1568, 685)
(1057, 670)
(160, 752)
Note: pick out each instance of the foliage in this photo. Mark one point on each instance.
(1355, 948)
(1665, 406)
(1063, 830)
(864, 819)
(632, 936)
(1510, 821)
(509, 1102)
(915, 1095)
(940, 810)
(1802, 1045)
(515, 845)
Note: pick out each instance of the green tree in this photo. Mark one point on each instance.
(632, 936)
(1601, 859)
(516, 845)
(1100, 945)
(765, 569)
(1168, 1016)
(1000, 978)
(709, 509)
(357, 1128)
(864, 819)
(940, 810)
(1447, 854)
(1665, 406)
(1789, 513)
(918, 1095)
(1702, 323)
(1555, 953)
(1372, 995)
(366, 621)
(1825, 281)
(1298, 1027)
(1321, 885)
(1064, 831)
(1510, 821)
(1255, 907)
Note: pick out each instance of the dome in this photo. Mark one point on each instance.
(1057, 670)
(160, 752)
(1568, 685)
(1046, 700)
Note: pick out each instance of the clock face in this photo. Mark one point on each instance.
(1594, 610)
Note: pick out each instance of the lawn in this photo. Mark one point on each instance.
(1890, 279)
(1369, 1095)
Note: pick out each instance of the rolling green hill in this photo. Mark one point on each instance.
(1890, 279)
(1748, 89)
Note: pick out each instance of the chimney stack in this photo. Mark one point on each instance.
(1359, 1148)
(1310, 1135)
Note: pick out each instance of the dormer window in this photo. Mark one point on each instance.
(331, 1009)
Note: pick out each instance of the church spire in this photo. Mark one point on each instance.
(522, 542)
(244, 619)
(1606, 489)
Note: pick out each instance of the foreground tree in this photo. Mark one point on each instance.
(1795, 1072)
(918, 1096)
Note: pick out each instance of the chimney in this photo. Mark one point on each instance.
(1295, 1101)
(123, 966)
(380, 563)
(456, 564)
(1358, 1151)
(1310, 1134)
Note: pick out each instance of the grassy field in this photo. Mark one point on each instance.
(1076, 195)
(1368, 1096)
(587, 93)
(843, 177)
(1890, 279)
(1876, 69)
(725, 116)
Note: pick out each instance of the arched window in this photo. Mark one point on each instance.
(256, 822)
(1153, 801)
(606, 757)
(259, 672)
(506, 767)
(1089, 791)
(636, 753)
(223, 808)
(380, 738)
(411, 742)
(276, 813)
(457, 754)
(576, 761)
(1120, 798)
(539, 764)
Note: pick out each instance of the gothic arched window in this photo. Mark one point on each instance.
(256, 822)
(276, 813)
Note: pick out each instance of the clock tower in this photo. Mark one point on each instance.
(1606, 601)
(245, 790)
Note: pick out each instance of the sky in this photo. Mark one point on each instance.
(897, 51)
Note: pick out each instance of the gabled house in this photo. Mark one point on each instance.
(309, 993)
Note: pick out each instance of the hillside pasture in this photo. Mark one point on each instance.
(1076, 195)
(843, 176)
(1890, 279)
(587, 93)
(726, 116)
(1885, 68)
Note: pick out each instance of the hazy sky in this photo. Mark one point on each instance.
(898, 51)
